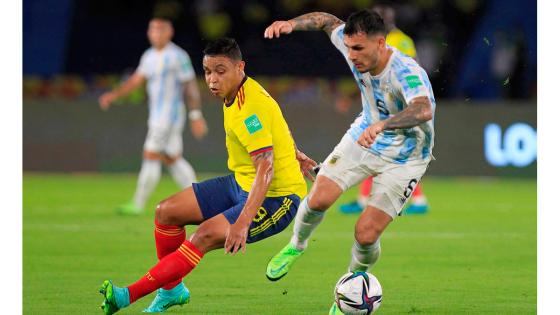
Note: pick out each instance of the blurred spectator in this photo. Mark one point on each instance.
(450, 38)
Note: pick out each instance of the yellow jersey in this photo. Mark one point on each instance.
(254, 123)
(396, 38)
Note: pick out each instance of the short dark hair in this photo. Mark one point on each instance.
(162, 18)
(223, 46)
(365, 21)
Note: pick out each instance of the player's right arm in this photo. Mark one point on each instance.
(106, 99)
(313, 21)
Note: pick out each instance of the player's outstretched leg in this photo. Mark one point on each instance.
(364, 256)
(115, 297)
(169, 269)
(310, 213)
(305, 222)
(168, 239)
(176, 211)
(367, 245)
(179, 295)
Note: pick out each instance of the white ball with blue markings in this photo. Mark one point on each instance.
(358, 293)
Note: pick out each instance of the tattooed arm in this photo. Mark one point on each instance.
(418, 111)
(308, 22)
(237, 235)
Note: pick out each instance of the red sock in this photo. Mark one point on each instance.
(170, 268)
(168, 239)
(365, 188)
(417, 191)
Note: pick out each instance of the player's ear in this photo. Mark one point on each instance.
(381, 41)
(241, 65)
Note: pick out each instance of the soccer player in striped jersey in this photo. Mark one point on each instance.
(391, 139)
(169, 74)
(397, 39)
(257, 201)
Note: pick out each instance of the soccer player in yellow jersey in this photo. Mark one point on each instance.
(395, 38)
(258, 200)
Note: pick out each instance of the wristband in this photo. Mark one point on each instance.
(195, 114)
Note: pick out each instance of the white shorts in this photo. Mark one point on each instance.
(349, 164)
(165, 140)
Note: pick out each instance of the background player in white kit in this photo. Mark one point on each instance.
(169, 73)
(391, 139)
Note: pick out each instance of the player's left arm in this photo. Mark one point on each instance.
(237, 236)
(418, 111)
(197, 121)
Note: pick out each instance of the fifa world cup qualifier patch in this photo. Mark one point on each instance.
(253, 124)
(413, 81)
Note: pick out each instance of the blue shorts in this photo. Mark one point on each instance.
(222, 195)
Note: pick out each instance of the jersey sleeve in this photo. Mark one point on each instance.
(186, 71)
(413, 83)
(337, 38)
(254, 130)
(143, 67)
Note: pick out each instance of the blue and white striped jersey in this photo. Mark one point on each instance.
(166, 71)
(387, 94)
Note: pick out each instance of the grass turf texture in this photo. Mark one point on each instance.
(474, 253)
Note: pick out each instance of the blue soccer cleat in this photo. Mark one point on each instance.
(115, 298)
(164, 299)
(351, 207)
(416, 208)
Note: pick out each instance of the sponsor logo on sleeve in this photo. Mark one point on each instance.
(253, 124)
(413, 81)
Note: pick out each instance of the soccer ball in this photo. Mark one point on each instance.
(358, 293)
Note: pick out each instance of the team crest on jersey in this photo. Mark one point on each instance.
(413, 81)
(334, 159)
(253, 124)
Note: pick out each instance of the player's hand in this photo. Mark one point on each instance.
(236, 238)
(277, 28)
(199, 128)
(106, 99)
(306, 165)
(367, 137)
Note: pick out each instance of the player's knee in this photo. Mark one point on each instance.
(318, 202)
(367, 234)
(205, 238)
(169, 160)
(165, 213)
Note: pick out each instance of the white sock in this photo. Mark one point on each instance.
(305, 223)
(364, 256)
(182, 172)
(147, 181)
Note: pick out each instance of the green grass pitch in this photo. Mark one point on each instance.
(474, 253)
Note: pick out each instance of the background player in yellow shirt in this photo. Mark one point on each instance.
(258, 200)
(398, 39)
